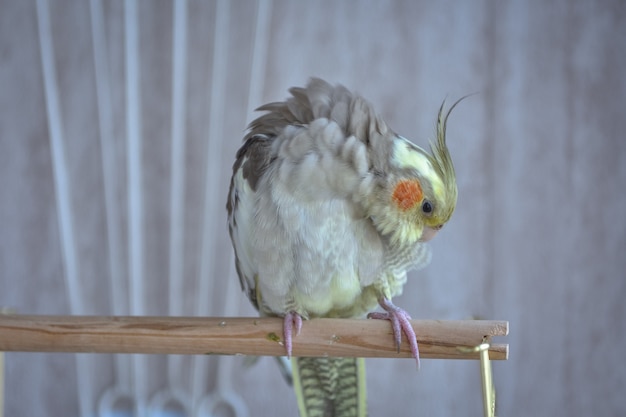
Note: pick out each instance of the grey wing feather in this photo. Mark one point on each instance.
(323, 143)
(253, 159)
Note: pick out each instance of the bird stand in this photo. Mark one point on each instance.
(257, 336)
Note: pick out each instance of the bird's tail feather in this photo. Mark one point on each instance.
(330, 387)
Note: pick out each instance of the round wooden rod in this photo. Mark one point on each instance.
(438, 339)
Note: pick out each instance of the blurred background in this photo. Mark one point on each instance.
(119, 122)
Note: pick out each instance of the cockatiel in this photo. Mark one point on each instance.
(328, 209)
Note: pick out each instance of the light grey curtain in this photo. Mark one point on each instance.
(119, 122)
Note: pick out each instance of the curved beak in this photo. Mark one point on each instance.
(430, 232)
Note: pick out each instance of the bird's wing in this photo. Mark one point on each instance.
(293, 195)
(253, 159)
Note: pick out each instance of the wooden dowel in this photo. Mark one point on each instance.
(242, 335)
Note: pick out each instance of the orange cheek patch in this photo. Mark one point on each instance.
(407, 194)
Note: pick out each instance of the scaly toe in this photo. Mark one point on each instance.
(291, 320)
(400, 323)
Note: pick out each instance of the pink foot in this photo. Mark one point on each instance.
(292, 319)
(400, 323)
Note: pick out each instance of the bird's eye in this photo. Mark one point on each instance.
(427, 207)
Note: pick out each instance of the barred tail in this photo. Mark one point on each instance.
(330, 387)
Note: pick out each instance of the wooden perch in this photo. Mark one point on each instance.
(243, 335)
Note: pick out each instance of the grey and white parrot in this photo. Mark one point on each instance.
(328, 209)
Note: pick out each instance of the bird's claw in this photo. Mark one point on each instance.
(400, 322)
(292, 320)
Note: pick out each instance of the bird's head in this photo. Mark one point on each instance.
(420, 189)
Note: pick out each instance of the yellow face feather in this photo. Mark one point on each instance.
(409, 156)
(425, 200)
